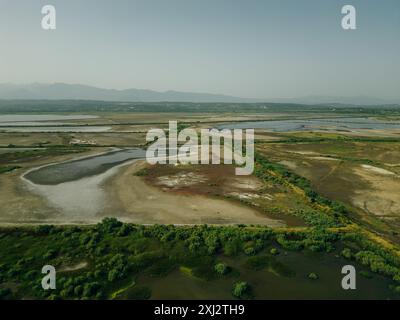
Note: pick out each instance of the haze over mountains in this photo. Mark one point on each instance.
(63, 91)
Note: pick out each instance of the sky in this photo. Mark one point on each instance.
(246, 48)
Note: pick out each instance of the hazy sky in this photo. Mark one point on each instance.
(248, 48)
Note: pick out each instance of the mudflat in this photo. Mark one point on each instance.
(140, 202)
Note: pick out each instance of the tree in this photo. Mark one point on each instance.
(231, 248)
(250, 251)
(115, 274)
(313, 276)
(221, 268)
(44, 229)
(125, 230)
(212, 243)
(109, 224)
(241, 290)
(4, 292)
(274, 251)
(90, 289)
(347, 253)
(78, 290)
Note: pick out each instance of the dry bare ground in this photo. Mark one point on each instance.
(140, 202)
(383, 198)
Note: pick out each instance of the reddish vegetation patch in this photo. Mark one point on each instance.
(201, 179)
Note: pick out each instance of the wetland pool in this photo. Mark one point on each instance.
(268, 283)
(80, 168)
(315, 124)
(74, 188)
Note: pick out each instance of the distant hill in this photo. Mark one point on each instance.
(63, 91)
(329, 100)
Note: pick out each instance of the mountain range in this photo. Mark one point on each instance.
(64, 91)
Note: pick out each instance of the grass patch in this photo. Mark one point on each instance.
(137, 293)
(8, 169)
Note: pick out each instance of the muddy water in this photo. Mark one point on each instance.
(19, 119)
(47, 123)
(317, 124)
(74, 189)
(56, 129)
(79, 201)
(81, 168)
(267, 284)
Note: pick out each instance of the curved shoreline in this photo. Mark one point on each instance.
(22, 176)
(117, 192)
(81, 167)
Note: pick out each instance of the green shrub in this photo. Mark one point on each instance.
(221, 268)
(241, 290)
(274, 251)
(313, 276)
(347, 253)
(4, 293)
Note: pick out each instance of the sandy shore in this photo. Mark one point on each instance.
(116, 193)
(139, 202)
(20, 205)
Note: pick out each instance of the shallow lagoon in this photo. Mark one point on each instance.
(56, 129)
(75, 187)
(37, 118)
(47, 123)
(81, 168)
(314, 124)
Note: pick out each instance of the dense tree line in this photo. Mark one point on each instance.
(117, 252)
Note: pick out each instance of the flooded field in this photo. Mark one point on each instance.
(39, 119)
(60, 128)
(48, 123)
(337, 124)
(271, 283)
